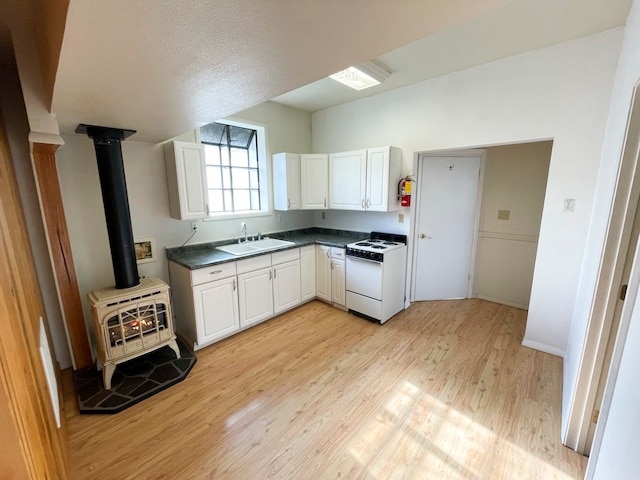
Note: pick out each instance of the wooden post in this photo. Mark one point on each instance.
(44, 159)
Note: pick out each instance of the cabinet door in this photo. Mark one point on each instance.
(286, 286)
(216, 309)
(347, 180)
(255, 296)
(307, 272)
(383, 175)
(186, 180)
(338, 279)
(286, 181)
(314, 181)
(323, 272)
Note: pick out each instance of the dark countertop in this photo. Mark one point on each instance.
(205, 254)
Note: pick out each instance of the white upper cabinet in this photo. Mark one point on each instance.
(186, 180)
(365, 179)
(347, 180)
(314, 181)
(286, 181)
(383, 175)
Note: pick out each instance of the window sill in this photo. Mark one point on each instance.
(235, 216)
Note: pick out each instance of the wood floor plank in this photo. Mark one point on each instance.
(443, 390)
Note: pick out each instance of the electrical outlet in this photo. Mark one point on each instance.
(279, 217)
(194, 226)
(504, 214)
(401, 218)
(322, 215)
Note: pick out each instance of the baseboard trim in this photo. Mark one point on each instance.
(543, 348)
(503, 302)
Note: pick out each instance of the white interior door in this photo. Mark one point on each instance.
(445, 227)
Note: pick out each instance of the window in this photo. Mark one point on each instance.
(233, 168)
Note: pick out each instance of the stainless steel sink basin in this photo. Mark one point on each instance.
(254, 247)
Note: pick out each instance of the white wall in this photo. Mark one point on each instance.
(515, 179)
(560, 93)
(287, 130)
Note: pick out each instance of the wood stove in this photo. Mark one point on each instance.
(132, 317)
(130, 322)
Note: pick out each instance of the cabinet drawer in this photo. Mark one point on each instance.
(287, 256)
(337, 253)
(255, 263)
(214, 272)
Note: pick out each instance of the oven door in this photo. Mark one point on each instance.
(364, 277)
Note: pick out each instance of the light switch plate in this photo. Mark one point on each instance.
(569, 205)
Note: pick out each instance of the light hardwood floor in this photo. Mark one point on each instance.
(444, 390)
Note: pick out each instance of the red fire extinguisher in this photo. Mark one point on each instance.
(404, 191)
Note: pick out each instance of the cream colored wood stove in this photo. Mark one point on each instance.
(130, 322)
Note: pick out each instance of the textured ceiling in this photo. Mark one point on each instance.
(164, 67)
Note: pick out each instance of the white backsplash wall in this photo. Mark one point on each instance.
(363, 221)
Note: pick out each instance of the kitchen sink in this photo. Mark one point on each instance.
(254, 247)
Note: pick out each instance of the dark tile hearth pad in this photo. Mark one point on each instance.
(133, 381)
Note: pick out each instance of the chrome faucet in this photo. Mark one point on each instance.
(243, 229)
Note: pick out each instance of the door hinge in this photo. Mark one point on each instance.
(594, 416)
(623, 292)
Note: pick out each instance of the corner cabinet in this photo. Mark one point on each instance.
(186, 180)
(314, 181)
(286, 181)
(365, 180)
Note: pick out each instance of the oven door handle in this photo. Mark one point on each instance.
(363, 259)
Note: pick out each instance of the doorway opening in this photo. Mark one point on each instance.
(508, 200)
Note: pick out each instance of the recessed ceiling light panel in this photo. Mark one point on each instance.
(362, 76)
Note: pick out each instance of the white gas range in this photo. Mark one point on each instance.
(375, 270)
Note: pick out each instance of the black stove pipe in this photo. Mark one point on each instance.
(115, 200)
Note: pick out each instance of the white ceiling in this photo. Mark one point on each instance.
(162, 68)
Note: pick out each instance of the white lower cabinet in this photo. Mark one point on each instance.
(286, 286)
(330, 274)
(216, 309)
(323, 272)
(205, 303)
(307, 273)
(338, 277)
(255, 297)
(215, 302)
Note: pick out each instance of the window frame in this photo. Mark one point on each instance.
(264, 174)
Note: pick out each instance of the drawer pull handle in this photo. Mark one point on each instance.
(215, 272)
